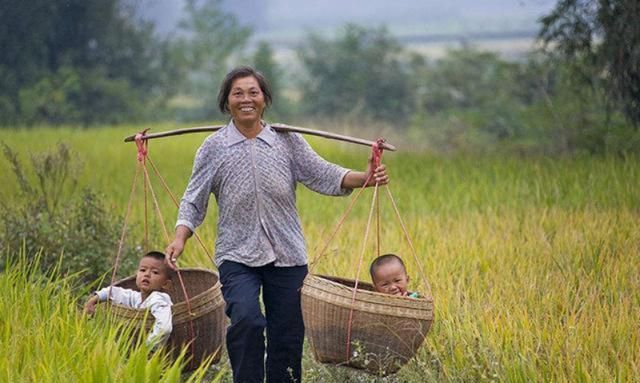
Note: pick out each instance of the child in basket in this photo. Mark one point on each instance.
(153, 277)
(389, 276)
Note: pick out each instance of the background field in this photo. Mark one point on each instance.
(533, 262)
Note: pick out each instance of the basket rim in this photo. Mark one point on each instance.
(320, 287)
(332, 280)
(196, 301)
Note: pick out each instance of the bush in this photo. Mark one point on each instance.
(51, 217)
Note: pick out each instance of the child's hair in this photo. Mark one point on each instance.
(383, 260)
(160, 257)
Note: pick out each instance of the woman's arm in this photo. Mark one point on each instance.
(355, 179)
(194, 202)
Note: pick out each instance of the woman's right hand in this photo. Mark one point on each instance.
(173, 251)
(175, 248)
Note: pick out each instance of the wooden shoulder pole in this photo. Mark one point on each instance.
(276, 127)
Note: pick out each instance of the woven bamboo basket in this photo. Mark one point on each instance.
(386, 330)
(207, 305)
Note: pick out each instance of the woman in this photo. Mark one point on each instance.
(252, 170)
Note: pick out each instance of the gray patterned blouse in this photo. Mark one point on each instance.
(254, 182)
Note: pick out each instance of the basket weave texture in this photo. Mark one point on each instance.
(207, 306)
(386, 330)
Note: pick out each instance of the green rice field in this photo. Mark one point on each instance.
(533, 262)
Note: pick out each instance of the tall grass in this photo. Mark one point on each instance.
(46, 338)
(533, 262)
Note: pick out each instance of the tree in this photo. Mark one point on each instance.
(265, 63)
(211, 37)
(606, 35)
(83, 61)
(357, 74)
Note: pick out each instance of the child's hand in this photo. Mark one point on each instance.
(90, 306)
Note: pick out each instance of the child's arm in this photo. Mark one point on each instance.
(161, 311)
(90, 306)
(118, 295)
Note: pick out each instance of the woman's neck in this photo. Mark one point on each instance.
(250, 130)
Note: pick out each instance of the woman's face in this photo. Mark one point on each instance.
(246, 101)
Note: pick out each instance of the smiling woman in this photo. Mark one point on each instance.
(252, 170)
(245, 94)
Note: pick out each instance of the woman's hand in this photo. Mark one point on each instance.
(173, 251)
(175, 248)
(380, 175)
(355, 179)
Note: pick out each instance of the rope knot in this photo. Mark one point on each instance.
(142, 145)
(376, 151)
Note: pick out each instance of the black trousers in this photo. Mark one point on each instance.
(281, 286)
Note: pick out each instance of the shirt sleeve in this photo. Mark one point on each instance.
(119, 296)
(194, 203)
(160, 308)
(315, 172)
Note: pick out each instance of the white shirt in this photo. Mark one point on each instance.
(158, 303)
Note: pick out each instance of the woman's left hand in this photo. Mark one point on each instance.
(354, 179)
(380, 175)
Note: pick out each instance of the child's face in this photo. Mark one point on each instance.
(151, 275)
(391, 278)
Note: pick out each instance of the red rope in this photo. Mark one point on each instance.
(116, 263)
(377, 153)
(175, 202)
(413, 250)
(168, 239)
(376, 156)
(142, 156)
(355, 286)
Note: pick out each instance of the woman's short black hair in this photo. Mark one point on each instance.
(241, 72)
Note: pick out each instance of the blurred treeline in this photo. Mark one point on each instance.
(90, 62)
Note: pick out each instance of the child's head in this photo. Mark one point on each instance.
(389, 275)
(153, 274)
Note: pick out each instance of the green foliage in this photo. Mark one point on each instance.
(356, 75)
(45, 338)
(211, 38)
(475, 101)
(51, 218)
(80, 61)
(533, 262)
(606, 35)
(264, 61)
